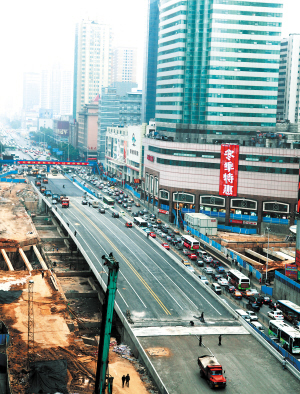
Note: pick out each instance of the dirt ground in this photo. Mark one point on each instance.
(15, 224)
(53, 340)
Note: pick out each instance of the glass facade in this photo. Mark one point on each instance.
(229, 58)
(150, 65)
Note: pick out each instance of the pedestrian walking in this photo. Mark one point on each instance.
(202, 317)
(57, 249)
(220, 340)
(127, 380)
(123, 380)
(147, 235)
(200, 340)
(75, 232)
(284, 363)
(42, 274)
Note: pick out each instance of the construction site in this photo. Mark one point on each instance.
(50, 308)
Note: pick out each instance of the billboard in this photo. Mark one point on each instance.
(291, 271)
(229, 166)
(62, 128)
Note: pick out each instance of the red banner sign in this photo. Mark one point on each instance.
(163, 211)
(229, 166)
(235, 221)
(150, 158)
(60, 163)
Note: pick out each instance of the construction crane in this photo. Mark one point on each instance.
(103, 380)
(30, 345)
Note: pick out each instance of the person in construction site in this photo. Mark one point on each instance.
(123, 380)
(127, 380)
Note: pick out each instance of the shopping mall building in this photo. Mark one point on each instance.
(186, 177)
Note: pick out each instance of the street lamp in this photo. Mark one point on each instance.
(268, 230)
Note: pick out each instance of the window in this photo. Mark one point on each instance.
(212, 200)
(274, 206)
(243, 203)
(183, 197)
(164, 194)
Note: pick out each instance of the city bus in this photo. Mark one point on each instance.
(239, 280)
(140, 222)
(288, 336)
(108, 201)
(290, 311)
(190, 242)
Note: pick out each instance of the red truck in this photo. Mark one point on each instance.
(212, 371)
(65, 202)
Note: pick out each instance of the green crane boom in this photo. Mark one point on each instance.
(102, 380)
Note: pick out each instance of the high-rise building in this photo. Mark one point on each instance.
(217, 67)
(92, 63)
(150, 62)
(31, 90)
(124, 65)
(289, 80)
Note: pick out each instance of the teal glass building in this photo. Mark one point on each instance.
(218, 65)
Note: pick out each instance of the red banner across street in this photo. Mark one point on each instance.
(229, 167)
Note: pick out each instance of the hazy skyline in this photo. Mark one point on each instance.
(36, 34)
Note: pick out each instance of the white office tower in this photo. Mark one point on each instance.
(217, 65)
(288, 86)
(124, 65)
(92, 61)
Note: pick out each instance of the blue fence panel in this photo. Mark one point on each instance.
(215, 214)
(287, 281)
(136, 194)
(267, 290)
(165, 207)
(275, 221)
(186, 210)
(156, 203)
(243, 217)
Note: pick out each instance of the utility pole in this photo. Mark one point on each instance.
(103, 380)
(297, 216)
(268, 231)
(30, 345)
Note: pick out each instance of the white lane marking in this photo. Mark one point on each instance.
(151, 272)
(72, 213)
(182, 277)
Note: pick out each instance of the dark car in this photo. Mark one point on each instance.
(145, 211)
(214, 263)
(186, 252)
(141, 213)
(125, 200)
(125, 205)
(164, 230)
(216, 276)
(125, 195)
(229, 288)
(153, 216)
(101, 210)
(266, 300)
(135, 214)
(115, 214)
(172, 235)
(253, 307)
(84, 202)
(119, 201)
(179, 246)
(255, 300)
(273, 305)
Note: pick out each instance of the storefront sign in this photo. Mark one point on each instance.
(235, 221)
(250, 223)
(291, 271)
(163, 211)
(150, 158)
(229, 170)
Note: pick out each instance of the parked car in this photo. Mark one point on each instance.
(229, 288)
(203, 278)
(276, 315)
(208, 270)
(222, 282)
(236, 294)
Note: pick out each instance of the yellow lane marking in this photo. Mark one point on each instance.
(154, 295)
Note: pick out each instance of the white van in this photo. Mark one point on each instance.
(243, 314)
(257, 325)
(216, 288)
(95, 204)
(201, 253)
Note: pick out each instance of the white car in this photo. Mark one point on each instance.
(163, 235)
(189, 267)
(223, 282)
(254, 292)
(277, 315)
(252, 315)
(203, 278)
(208, 270)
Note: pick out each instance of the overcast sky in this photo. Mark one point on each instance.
(37, 33)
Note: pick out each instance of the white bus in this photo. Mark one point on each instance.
(287, 335)
(190, 242)
(239, 280)
(140, 222)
